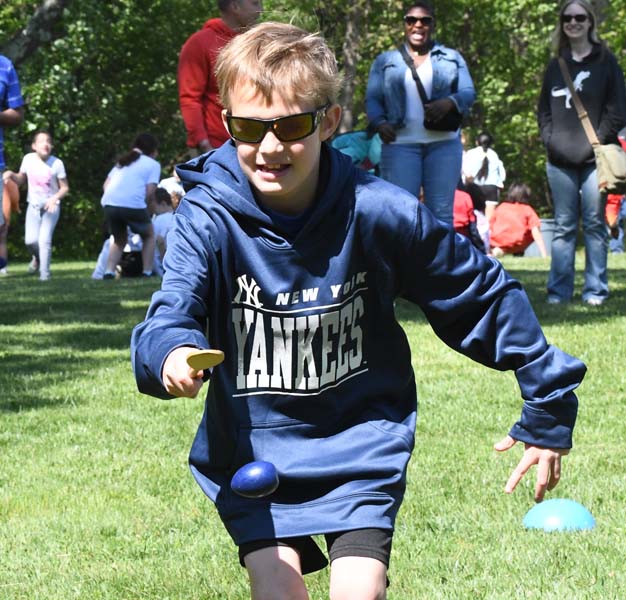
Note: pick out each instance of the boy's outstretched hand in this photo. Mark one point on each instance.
(179, 379)
(548, 461)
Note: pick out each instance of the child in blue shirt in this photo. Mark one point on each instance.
(289, 259)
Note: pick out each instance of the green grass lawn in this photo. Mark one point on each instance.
(96, 500)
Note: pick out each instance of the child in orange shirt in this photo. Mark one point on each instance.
(514, 224)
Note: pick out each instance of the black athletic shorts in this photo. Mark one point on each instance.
(491, 193)
(118, 217)
(369, 543)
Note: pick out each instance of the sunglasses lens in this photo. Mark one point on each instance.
(577, 18)
(246, 130)
(295, 127)
(286, 129)
(410, 20)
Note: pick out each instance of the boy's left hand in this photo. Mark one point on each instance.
(548, 461)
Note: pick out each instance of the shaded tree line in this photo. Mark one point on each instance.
(97, 73)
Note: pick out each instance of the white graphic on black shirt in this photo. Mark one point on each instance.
(578, 86)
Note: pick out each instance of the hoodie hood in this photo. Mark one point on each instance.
(218, 177)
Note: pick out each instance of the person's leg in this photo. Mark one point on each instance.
(401, 164)
(148, 240)
(31, 231)
(359, 563)
(116, 250)
(596, 287)
(139, 222)
(4, 227)
(101, 262)
(565, 186)
(441, 167)
(358, 577)
(275, 574)
(48, 223)
(116, 225)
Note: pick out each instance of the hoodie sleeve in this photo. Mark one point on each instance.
(177, 315)
(476, 308)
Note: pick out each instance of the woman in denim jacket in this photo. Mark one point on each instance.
(414, 157)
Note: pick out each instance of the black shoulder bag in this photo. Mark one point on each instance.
(452, 120)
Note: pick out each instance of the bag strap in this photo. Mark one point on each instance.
(590, 132)
(418, 82)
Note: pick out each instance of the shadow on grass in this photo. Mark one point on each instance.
(61, 330)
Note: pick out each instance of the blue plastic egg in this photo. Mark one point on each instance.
(559, 514)
(255, 480)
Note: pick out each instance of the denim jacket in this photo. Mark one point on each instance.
(385, 99)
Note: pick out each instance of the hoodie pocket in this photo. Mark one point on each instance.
(315, 462)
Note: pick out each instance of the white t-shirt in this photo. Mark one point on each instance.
(43, 177)
(414, 131)
(162, 224)
(127, 185)
(473, 161)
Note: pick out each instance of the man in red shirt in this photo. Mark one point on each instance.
(197, 88)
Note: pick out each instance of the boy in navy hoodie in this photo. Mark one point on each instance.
(289, 259)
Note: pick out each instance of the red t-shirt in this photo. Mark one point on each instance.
(613, 205)
(463, 211)
(510, 226)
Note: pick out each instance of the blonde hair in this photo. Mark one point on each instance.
(560, 40)
(279, 57)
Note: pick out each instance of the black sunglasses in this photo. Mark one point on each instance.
(287, 129)
(577, 18)
(410, 20)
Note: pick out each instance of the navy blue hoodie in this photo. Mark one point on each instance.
(317, 377)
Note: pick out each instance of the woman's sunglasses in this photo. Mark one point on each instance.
(410, 20)
(287, 129)
(577, 18)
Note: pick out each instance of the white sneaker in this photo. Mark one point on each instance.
(3, 272)
(594, 301)
(33, 266)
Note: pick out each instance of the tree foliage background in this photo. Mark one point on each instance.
(97, 73)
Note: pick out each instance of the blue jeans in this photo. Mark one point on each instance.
(436, 167)
(575, 195)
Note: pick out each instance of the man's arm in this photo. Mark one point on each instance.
(193, 72)
(11, 117)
